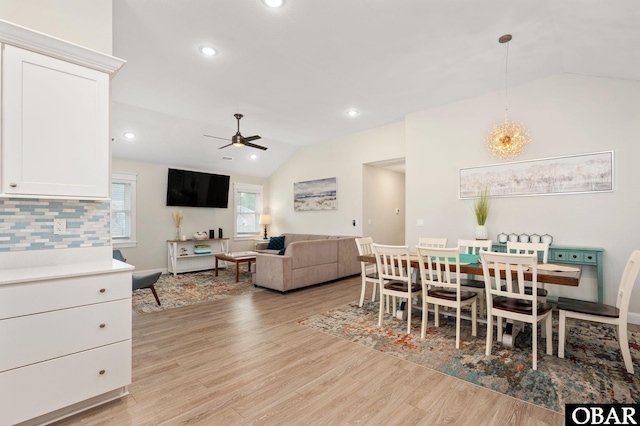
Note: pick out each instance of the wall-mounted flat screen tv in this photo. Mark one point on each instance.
(196, 189)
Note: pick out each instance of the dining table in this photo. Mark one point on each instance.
(547, 273)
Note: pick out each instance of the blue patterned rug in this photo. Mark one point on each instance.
(592, 371)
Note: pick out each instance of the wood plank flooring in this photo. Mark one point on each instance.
(245, 361)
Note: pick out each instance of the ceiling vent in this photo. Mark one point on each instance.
(227, 158)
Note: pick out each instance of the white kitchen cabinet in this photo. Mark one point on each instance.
(55, 117)
(56, 127)
(66, 340)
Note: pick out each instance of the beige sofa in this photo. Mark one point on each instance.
(308, 259)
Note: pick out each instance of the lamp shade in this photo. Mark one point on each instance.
(265, 219)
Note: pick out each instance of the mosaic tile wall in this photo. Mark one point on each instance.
(27, 224)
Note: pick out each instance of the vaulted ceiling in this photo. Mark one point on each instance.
(296, 70)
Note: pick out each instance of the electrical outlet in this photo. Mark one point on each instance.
(59, 226)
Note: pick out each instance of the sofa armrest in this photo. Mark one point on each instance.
(273, 271)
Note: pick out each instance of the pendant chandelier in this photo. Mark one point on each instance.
(508, 139)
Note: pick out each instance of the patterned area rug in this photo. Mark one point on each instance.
(592, 371)
(191, 288)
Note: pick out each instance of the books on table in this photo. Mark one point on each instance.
(202, 249)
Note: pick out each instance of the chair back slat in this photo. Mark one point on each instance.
(509, 263)
(432, 242)
(474, 246)
(364, 246)
(539, 249)
(435, 267)
(393, 262)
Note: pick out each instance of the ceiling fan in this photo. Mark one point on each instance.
(238, 139)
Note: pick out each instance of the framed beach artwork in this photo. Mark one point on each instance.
(582, 173)
(319, 194)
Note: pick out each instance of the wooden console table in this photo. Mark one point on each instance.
(589, 256)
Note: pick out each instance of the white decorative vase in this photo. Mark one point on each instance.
(481, 233)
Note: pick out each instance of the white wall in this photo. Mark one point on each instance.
(342, 158)
(383, 193)
(87, 23)
(155, 220)
(567, 114)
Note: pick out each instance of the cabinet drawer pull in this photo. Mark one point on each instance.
(103, 325)
(13, 184)
(102, 372)
(102, 290)
(575, 257)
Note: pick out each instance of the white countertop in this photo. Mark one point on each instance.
(50, 272)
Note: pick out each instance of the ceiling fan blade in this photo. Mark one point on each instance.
(251, 138)
(251, 145)
(225, 145)
(224, 139)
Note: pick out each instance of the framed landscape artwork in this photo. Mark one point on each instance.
(583, 173)
(319, 194)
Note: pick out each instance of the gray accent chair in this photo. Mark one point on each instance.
(141, 281)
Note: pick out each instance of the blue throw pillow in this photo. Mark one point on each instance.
(281, 252)
(276, 243)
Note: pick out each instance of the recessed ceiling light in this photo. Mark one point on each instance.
(209, 51)
(274, 3)
(352, 113)
(254, 156)
(130, 135)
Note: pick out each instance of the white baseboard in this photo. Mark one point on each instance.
(633, 318)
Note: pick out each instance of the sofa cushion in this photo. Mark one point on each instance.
(276, 243)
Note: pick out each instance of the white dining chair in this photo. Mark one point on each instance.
(369, 273)
(474, 284)
(511, 301)
(441, 287)
(605, 314)
(394, 277)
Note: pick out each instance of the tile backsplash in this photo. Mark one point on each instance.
(27, 224)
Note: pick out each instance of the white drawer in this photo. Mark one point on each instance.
(41, 388)
(48, 295)
(34, 338)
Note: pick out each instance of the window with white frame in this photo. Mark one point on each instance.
(123, 209)
(247, 209)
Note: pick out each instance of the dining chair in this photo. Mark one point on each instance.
(432, 242)
(473, 284)
(605, 314)
(441, 287)
(369, 272)
(511, 301)
(541, 251)
(394, 277)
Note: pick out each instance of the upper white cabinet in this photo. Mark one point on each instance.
(56, 127)
(55, 117)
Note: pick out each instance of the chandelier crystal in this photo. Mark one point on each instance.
(508, 139)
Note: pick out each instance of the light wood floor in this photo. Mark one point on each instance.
(244, 360)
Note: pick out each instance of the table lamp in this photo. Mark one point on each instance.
(265, 219)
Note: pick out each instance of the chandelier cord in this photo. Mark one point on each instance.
(506, 81)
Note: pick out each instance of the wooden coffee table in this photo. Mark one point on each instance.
(237, 258)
